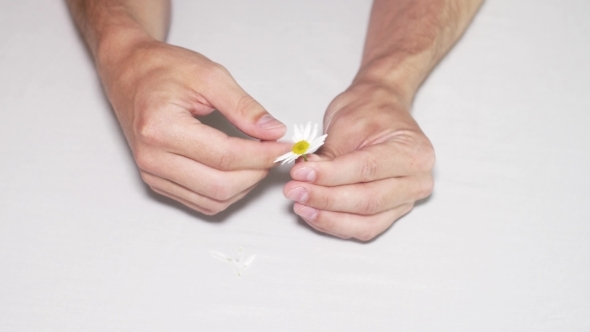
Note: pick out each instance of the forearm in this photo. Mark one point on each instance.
(106, 24)
(406, 38)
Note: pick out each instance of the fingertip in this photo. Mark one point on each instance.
(308, 171)
(269, 128)
(288, 187)
(278, 151)
(303, 172)
(268, 122)
(296, 193)
(308, 214)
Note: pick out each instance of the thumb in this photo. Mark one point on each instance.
(340, 141)
(243, 111)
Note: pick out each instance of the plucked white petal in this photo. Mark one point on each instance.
(240, 255)
(219, 256)
(249, 260)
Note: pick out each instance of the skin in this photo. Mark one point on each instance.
(375, 164)
(157, 89)
(376, 161)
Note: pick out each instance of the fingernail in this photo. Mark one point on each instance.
(304, 174)
(308, 213)
(298, 194)
(268, 122)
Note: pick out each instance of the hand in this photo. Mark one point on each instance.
(375, 164)
(156, 91)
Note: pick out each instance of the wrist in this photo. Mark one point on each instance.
(365, 97)
(397, 77)
(116, 43)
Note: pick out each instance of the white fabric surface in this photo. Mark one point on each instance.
(502, 244)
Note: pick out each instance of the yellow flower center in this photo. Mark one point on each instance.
(300, 147)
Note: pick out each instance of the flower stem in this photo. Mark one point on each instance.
(304, 157)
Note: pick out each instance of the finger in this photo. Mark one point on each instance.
(325, 231)
(189, 198)
(371, 163)
(184, 135)
(186, 203)
(363, 228)
(201, 209)
(361, 198)
(199, 178)
(241, 109)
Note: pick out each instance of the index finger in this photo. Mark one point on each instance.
(371, 163)
(213, 148)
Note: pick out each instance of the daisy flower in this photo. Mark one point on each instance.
(305, 143)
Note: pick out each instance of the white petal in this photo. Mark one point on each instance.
(249, 260)
(220, 256)
(293, 158)
(297, 134)
(320, 139)
(290, 159)
(316, 144)
(285, 156)
(313, 148)
(314, 132)
(307, 131)
(301, 133)
(240, 255)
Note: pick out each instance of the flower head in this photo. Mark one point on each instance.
(305, 142)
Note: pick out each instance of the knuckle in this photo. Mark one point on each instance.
(149, 131)
(366, 234)
(408, 208)
(217, 70)
(369, 168)
(369, 205)
(320, 201)
(424, 157)
(404, 210)
(205, 211)
(147, 179)
(214, 73)
(207, 207)
(224, 160)
(246, 105)
(326, 223)
(143, 161)
(426, 188)
(220, 191)
(213, 210)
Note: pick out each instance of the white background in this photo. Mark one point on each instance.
(501, 245)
